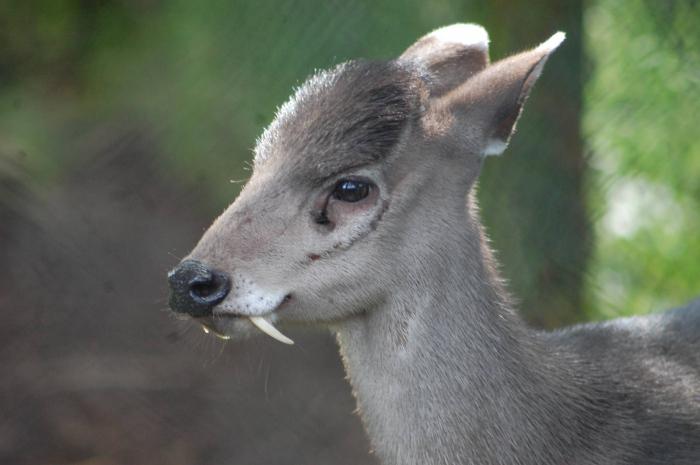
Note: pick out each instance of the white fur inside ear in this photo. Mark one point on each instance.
(469, 35)
(549, 45)
(495, 147)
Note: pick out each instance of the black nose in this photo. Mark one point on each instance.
(196, 289)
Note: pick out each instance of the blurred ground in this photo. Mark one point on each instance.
(96, 371)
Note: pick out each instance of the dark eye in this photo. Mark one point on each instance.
(349, 190)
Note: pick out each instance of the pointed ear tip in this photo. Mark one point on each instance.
(467, 34)
(551, 44)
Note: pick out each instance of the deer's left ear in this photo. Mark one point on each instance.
(489, 104)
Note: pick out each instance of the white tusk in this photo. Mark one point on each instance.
(205, 329)
(267, 328)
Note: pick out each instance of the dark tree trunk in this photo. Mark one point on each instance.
(533, 199)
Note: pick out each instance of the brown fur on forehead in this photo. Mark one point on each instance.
(348, 116)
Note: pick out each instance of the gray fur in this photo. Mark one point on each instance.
(341, 118)
(443, 369)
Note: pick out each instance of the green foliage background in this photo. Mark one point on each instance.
(205, 77)
(642, 108)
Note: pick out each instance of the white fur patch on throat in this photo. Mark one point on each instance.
(495, 147)
(469, 35)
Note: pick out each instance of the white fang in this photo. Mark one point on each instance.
(267, 328)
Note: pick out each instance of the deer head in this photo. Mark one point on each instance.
(358, 185)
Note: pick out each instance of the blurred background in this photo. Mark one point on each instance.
(127, 125)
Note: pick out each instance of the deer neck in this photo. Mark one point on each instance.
(443, 370)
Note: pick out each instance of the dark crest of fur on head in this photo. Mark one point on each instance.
(348, 116)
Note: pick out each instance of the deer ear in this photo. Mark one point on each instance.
(491, 102)
(450, 55)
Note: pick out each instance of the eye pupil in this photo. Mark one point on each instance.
(348, 190)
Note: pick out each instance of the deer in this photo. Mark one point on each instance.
(361, 216)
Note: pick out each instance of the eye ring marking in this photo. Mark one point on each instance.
(351, 190)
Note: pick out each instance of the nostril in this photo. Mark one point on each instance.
(210, 289)
(196, 288)
(203, 289)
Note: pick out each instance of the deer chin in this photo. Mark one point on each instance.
(228, 321)
(248, 307)
(228, 326)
